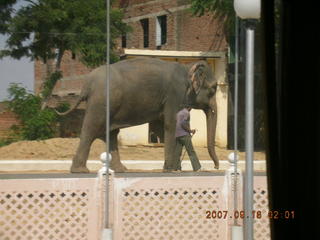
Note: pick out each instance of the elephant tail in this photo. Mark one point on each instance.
(83, 97)
(80, 99)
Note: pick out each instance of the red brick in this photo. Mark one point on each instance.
(7, 120)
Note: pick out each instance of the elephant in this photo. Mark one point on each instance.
(142, 90)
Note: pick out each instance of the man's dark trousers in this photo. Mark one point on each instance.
(186, 142)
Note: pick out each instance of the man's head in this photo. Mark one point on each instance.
(187, 106)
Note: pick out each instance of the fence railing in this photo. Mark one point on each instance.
(50, 208)
(142, 206)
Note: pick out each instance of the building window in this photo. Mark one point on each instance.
(145, 28)
(161, 28)
(124, 41)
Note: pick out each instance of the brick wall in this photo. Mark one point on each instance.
(69, 66)
(7, 119)
(185, 32)
(199, 33)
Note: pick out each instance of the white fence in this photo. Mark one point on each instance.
(50, 208)
(142, 206)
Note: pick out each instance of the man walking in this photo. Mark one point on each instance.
(183, 138)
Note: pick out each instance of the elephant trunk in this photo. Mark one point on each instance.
(211, 114)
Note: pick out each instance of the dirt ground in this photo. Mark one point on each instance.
(64, 148)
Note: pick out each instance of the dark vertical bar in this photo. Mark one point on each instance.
(292, 89)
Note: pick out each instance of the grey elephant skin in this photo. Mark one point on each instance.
(143, 90)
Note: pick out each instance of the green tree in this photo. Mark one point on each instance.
(56, 26)
(5, 13)
(46, 29)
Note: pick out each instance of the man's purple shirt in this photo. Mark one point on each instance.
(183, 117)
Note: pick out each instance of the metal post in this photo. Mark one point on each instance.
(107, 113)
(236, 77)
(249, 131)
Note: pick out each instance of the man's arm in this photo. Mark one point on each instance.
(185, 124)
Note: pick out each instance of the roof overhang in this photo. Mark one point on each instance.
(165, 53)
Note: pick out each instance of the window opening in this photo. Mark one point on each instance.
(161, 30)
(145, 28)
(123, 41)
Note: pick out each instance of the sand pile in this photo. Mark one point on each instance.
(55, 148)
(65, 148)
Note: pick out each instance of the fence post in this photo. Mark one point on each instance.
(105, 233)
(235, 210)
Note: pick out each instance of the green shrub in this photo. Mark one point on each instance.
(5, 142)
(36, 124)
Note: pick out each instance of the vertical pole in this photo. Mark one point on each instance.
(236, 81)
(107, 113)
(249, 134)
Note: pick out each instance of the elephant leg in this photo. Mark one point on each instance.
(79, 161)
(115, 163)
(91, 128)
(169, 138)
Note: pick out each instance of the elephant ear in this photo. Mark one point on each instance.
(197, 76)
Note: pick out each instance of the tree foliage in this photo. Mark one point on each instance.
(5, 13)
(36, 124)
(46, 29)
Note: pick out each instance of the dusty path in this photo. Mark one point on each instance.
(64, 148)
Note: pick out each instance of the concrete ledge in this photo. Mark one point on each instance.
(170, 53)
(95, 165)
(47, 175)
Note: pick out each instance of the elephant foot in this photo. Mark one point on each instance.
(74, 169)
(216, 166)
(117, 166)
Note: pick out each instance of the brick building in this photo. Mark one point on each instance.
(165, 29)
(169, 25)
(7, 120)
